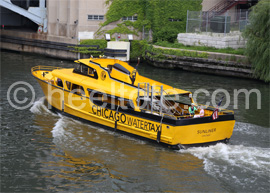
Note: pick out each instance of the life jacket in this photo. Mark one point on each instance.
(192, 110)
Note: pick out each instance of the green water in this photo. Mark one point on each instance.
(45, 152)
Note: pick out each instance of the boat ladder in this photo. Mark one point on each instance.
(154, 100)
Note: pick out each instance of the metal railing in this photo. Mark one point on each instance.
(44, 68)
(154, 96)
(215, 22)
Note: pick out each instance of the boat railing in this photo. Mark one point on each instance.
(44, 68)
(154, 96)
(212, 108)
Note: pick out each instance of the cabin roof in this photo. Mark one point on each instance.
(100, 65)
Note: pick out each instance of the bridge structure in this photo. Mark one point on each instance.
(36, 14)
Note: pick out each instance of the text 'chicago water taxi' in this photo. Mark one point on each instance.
(111, 93)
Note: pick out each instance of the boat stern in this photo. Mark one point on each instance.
(204, 130)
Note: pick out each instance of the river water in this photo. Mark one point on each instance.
(45, 152)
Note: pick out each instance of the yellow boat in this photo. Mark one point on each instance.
(111, 93)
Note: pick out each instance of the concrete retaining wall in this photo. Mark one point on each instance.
(203, 65)
(38, 48)
(217, 40)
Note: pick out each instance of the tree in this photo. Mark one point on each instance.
(258, 39)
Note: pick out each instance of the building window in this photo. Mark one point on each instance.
(130, 18)
(95, 17)
(171, 19)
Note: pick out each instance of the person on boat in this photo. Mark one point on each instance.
(201, 113)
(59, 82)
(192, 109)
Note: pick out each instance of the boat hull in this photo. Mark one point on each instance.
(176, 133)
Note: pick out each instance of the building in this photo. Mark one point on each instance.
(75, 18)
(231, 7)
(80, 19)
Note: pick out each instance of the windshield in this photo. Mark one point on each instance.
(179, 98)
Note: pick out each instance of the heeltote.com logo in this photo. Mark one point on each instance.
(21, 95)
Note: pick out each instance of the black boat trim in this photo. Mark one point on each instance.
(174, 147)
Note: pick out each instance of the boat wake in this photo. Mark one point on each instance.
(75, 136)
(39, 107)
(239, 165)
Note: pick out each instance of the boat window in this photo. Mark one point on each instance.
(77, 89)
(109, 101)
(68, 84)
(85, 70)
(109, 67)
(95, 97)
(59, 82)
(91, 72)
(77, 68)
(121, 68)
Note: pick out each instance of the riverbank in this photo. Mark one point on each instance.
(157, 56)
(30, 42)
(203, 62)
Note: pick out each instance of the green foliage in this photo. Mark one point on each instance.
(101, 43)
(124, 8)
(138, 48)
(169, 35)
(258, 39)
(239, 51)
(151, 14)
(163, 10)
(161, 54)
(87, 50)
(122, 28)
(91, 50)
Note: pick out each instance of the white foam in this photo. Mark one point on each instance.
(39, 107)
(58, 129)
(223, 160)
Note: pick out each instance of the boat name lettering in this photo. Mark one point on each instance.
(206, 131)
(121, 117)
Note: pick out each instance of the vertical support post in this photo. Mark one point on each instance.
(63, 105)
(27, 4)
(152, 96)
(246, 18)
(79, 54)
(225, 30)
(144, 87)
(42, 3)
(200, 21)
(68, 19)
(207, 15)
(58, 16)
(63, 99)
(138, 99)
(148, 96)
(161, 99)
(187, 23)
(240, 14)
(239, 20)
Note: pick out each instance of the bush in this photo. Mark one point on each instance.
(137, 48)
(101, 43)
(258, 38)
(168, 35)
